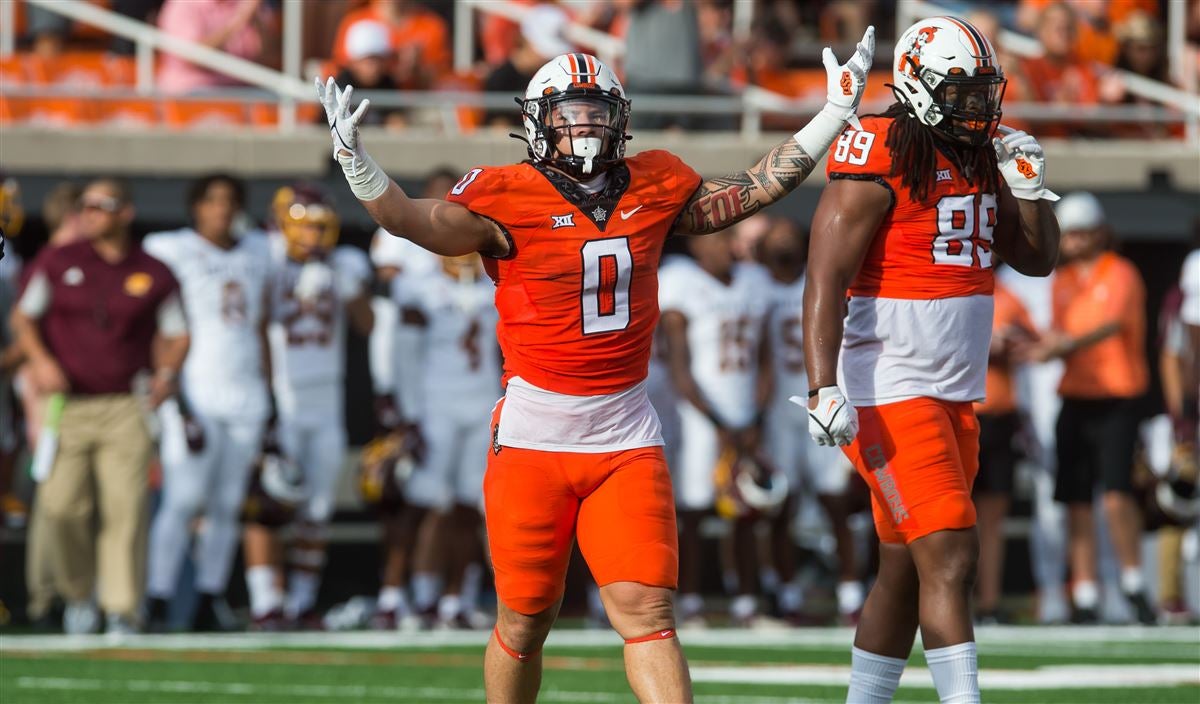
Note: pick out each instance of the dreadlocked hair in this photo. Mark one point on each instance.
(914, 148)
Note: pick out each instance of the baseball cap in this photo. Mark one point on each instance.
(368, 38)
(1079, 211)
(543, 27)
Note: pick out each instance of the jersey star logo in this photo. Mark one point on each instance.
(599, 214)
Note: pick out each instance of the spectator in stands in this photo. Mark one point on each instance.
(541, 39)
(368, 66)
(419, 38)
(662, 57)
(93, 315)
(1142, 51)
(498, 35)
(1058, 76)
(999, 429)
(1098, 330)
(1093, 23)
(243, 28)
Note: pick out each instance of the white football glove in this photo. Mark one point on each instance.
(847, 82)
(834, 421)
(1022, 164)
(315, 279)
(366, 179)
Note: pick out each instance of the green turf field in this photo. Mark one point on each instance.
(1054, 665)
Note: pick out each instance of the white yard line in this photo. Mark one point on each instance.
(360, 692)
(1006, 638)
(1049, 677)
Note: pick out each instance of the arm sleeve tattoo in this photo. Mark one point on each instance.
(721, 202)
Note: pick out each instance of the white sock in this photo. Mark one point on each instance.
(955, 671)
(873, 678)
(264, 595)
(1131, 580)
(791, 597)
(392, 599)
(302, 592)
(743, 606)
(426, 587)
(472, 580)
(1086, 595)
(849, 597)
(449, 607)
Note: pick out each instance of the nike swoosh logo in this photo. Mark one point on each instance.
(832, 403)
(625, 215)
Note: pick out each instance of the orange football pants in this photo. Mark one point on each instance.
(920, 458)
(618, 505)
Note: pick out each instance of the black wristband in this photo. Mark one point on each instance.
(813, 392)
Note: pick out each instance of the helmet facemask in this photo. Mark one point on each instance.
(963, 108)
(580, 132)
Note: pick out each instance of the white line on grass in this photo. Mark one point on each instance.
(1023, 637)
(362, 692)
(1048, 677)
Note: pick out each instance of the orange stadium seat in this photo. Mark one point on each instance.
(120, 71)
(130, 114)
(197, 114)
(60, 112)
(12, 75)
(267, 114)
(79, 70)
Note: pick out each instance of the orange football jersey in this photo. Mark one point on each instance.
(578, 294)
(939, 247)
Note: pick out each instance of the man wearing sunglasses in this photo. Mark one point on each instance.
(94, 315)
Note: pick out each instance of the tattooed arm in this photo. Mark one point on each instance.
(720, 202)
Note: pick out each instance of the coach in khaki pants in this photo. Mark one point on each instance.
(92, 316)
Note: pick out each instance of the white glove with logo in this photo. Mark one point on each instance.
(316, 278)
(1022, 164)
(846, 83)
(366, 179)
(833, 421)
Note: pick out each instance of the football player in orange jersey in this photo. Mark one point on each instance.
(572, 239)
(919, 201)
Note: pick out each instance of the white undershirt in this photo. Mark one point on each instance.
(536, 419)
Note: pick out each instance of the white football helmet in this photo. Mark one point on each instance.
(947, 74)
(578, 97)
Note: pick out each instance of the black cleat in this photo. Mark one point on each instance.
(156, 615)
(212, 615)
(1084, 617)
(1145, 614)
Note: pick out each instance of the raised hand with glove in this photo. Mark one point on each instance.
(845, 85)
(1023, 164)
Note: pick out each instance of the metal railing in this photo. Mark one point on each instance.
(750, 105)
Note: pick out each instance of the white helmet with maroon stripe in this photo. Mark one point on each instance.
(947, 74)
(578, 97)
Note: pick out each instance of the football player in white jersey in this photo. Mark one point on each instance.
(449, 382)
(212, 433)
(816, 475)
(394, 257)
(318, 287)
(714, 314)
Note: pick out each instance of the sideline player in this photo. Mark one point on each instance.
(714, 315)
(317, 288)
(914, 212)
(449, 381)
(572, 239)
(816, 475)
(223, 276)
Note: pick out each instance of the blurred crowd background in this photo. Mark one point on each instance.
(1071, 54)
(1079, 71)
